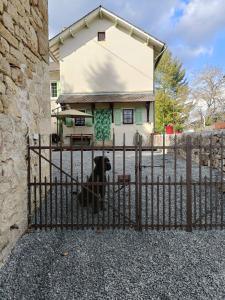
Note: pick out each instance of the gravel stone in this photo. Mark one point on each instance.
(116, 265)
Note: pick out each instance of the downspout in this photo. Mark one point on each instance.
(158, 57)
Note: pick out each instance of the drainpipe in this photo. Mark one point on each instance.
(158, 57)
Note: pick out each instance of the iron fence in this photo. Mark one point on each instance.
(147, 187)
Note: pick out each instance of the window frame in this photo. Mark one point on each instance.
(130, 109)
(99, 34)
(52, 97)
(80, 118)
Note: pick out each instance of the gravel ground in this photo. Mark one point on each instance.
(116, 265)
(122, 264)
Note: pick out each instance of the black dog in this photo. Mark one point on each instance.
(94, 194)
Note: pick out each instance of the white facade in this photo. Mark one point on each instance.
(121, 63)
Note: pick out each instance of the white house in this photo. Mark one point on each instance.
(104, 65)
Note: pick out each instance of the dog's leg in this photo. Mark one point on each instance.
(96, 205)
(82, 197)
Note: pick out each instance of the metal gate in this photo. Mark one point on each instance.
(148, 186)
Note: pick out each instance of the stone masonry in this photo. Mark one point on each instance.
(215, 156)
(24, 106)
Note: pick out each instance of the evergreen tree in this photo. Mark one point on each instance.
(171, 93)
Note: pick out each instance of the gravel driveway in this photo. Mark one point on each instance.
(123, 264)
(116, 265)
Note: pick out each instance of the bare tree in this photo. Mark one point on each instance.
(208, 94)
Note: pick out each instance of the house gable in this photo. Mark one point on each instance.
(101, 12)
(124, 62)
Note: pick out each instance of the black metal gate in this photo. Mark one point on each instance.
(148, 187)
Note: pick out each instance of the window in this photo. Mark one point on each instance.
(128, 116)
(101, 36)
(80, 121)
(54, 89)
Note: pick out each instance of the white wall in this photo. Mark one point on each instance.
(119, 64)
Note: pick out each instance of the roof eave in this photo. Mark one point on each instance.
(100, 11)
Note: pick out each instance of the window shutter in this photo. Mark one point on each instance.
(117, 116)
(68, 122)
(88, 121)
(138, 116)
(58, 88)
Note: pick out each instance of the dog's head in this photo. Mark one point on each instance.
(102, 163)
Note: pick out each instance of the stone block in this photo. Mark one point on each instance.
(32, 40)
(26, 5)
(29, 73)
(12, 11)
(4, 46)
(11, 88)
(30, 55)
(4, 101)
(3, 242)
(1, 106)
(8, 36)
(36, 17)
(8, 22)
(42, 43)
(23, 36)
(17, 76)
(18, 55)
(1, 7)
(2, 88)
(12, 60)
(17, 31)
(5, 67)
(25, 24)
(43, 8)
(34, 2)
(19, 7)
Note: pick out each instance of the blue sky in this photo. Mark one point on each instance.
(194, 30)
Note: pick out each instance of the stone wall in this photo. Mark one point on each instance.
(24, 106)
(204, 140)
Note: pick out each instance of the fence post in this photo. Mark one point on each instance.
(189, 182)
(136, 181)
(140, 184)
(29, 208)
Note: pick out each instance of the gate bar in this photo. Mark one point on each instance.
(140, 183)
(28, 180)
(189, 182)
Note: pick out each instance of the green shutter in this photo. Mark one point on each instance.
(58, 88)
(117, 116)
(88, 121)
(68, 122)
(139, 116)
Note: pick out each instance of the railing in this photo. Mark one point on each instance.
(148, 186)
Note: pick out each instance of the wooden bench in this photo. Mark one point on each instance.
(82, 138)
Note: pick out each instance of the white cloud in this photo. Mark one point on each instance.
(188, 27)
(188, 53)
(201, 20)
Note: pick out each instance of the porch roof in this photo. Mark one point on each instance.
(105, 98)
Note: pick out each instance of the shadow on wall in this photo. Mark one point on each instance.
(104, 77)
(101, 78)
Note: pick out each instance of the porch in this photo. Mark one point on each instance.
(119, 117)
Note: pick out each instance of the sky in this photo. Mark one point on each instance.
(194, 30)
